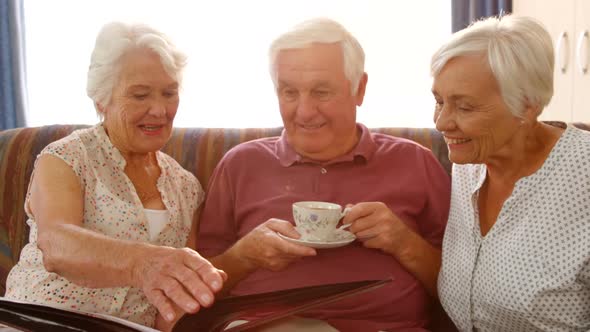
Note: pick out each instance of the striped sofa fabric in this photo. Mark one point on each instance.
(196, 149)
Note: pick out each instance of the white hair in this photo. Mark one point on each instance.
(114, 41)
(323, 31)
(519, 52)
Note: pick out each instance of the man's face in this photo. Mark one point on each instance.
(316, 103)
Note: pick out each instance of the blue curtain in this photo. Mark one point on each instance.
(13, 93)
(466, 11)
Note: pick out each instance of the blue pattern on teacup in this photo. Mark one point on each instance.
(315, 226)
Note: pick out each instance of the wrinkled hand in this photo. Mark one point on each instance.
(376, 226)
(263, 248)
(182, 277)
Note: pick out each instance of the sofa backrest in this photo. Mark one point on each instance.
(196, 149)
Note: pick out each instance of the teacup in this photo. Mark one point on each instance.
(317, 221)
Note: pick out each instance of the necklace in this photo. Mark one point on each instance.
(144, 181)
(146, 195)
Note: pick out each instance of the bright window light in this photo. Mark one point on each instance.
(226, 82)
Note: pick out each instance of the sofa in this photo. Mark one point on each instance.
(196, 149)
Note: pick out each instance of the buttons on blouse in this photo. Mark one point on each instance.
(323, 170)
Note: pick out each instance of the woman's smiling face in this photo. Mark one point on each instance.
(139, 118)
(470, 111)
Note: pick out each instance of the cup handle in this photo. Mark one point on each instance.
(345, 212)
(344, 226)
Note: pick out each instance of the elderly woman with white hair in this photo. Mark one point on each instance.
(109, 213)
(516, 251)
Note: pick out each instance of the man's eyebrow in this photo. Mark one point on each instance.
(144, 86)
(138, 86)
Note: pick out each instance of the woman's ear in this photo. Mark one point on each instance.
(101, 109)
(531, 112)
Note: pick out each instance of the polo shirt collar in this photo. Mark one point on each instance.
(365, 148)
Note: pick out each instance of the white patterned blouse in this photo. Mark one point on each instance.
(531, 272)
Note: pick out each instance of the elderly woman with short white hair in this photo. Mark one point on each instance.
(109, 213)
(516, 251)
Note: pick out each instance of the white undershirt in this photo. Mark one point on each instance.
(157, 219)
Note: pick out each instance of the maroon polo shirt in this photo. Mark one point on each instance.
(260, 179)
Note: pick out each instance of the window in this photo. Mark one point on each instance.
(226, 82)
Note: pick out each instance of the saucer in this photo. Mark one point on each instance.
(338, 239)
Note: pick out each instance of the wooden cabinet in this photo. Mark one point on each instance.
(568, 22)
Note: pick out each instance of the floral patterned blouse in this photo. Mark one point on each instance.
(111, 207)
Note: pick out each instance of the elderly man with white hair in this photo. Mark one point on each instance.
(398, 191)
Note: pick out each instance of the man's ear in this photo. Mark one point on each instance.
(360, 93)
